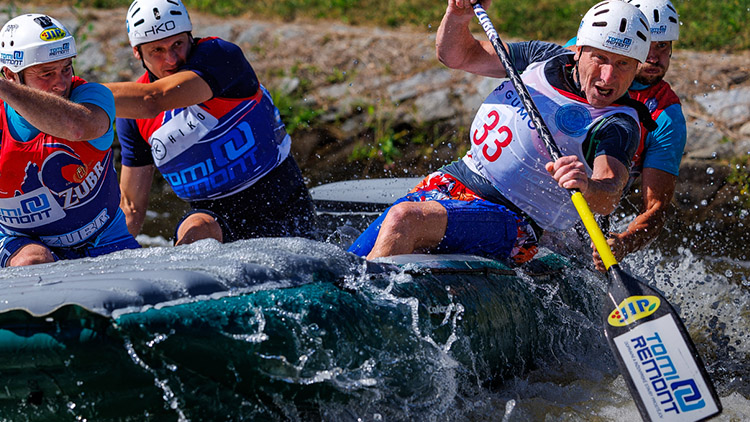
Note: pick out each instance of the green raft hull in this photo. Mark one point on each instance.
(310, 351)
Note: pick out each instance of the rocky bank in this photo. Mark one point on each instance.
(370, 85)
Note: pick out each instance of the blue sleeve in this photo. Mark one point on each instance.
(100, 96)
(664, 146)
(571, 42)
(224, 68)
(618, 137)
(135, 151)
(522, 54)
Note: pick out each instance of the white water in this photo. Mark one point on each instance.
(580, 382)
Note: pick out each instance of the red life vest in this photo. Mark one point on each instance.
(656, 98)
(59, 191)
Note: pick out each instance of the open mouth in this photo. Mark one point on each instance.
(603, 92)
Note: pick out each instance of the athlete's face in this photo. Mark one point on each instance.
(55, 77)
(164, 57)
(657, 63)
(604, 76)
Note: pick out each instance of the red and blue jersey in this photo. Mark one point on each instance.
(217, 148)
(61, 192)
(662, 148)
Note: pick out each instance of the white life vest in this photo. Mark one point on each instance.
(507, 150)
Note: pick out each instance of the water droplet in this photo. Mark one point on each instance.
(71, 405)
(710, 170)
(728, 273)
(695, 82)
(704, 203)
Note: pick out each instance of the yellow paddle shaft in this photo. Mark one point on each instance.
(600, 242)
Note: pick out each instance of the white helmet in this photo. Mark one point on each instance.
(617, 27)
(661, 14)
(32, 39)
(153, 20)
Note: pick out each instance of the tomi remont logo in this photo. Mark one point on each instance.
(12, 59)
(59, 51)
(632, 309)
(615, 42)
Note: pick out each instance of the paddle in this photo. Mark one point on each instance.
(654, 351)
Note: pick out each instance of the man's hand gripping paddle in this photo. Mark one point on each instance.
(653, 348)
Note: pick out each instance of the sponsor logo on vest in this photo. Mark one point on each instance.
(651, 104)
(80, 235)
(33, 209)
(617, 43)
(674, 393)
(233, 157)
(12, 59)
(52, 34)
(76, 194)
(512, 98)
(632, 309)
(572, 119)
(163, 27)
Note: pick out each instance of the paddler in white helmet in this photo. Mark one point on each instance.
(59, 197)
(505, 191)
(200, 115)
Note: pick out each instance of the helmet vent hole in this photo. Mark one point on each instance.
(140, 22)
(672, 19)
(157, 15)
(623, 24)
(601, 12)
(656, 15)
(599, 24)
(642, 36)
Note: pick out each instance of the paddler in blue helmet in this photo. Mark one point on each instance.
(505, 191)
(59, 197)
(201, 116)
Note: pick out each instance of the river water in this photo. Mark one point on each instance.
(417, 375)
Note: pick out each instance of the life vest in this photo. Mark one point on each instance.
(507, 150)
(217, 148)
(60, 192)
(656, 98)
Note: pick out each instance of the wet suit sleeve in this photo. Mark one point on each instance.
(224, 68)
(136, 152)
(664, 146)
(617, 136)
(525, 53)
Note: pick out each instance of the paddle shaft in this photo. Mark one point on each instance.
(587, 217)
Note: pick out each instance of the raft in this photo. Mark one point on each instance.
(278, 329)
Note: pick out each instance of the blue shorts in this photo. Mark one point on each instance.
(475, 226)
(113, 238)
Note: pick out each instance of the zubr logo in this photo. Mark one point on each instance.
(632, 309)
(52, 34)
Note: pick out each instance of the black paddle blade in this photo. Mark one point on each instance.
(654, 351)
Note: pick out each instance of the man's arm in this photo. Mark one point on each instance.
(658, 188)
(135, 187)
(457, 48)
(55, 115)
(602, 190)
(135, 100)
